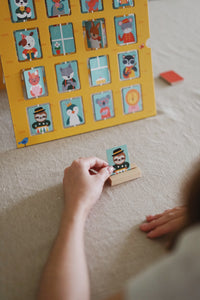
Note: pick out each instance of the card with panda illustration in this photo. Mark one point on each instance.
(128, 65)
(95, 34)
(132, 99)
(21, 10)
(122, 3)
(99, 70)
(39, 117)
(91, 5)
(72, 112)
(125, 29)
(57, 8)
(118, 158)
(34, 82)
(27, 44)
(67, 76)
(103, 105)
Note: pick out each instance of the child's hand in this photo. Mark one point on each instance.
(82, 187)
(169, 221)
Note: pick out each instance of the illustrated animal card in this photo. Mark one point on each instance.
(132, 99)
(128, 65)
(39, 117)
(34, 82)
(72, 112)
(99, 70)
(103, 105)
(57, 8)
(62, 39)
(95, 33)
(91, 5)
(67, 76)
(125, 29)
(27, 44)
(21, 10)
(118, 158)
(122, 3)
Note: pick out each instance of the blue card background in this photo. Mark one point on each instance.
(96, 70)
(27, 83)
(120, 32)
(50, 4)
(122, 66)
(96, 106)
(14, 7)
(76, 101)
(102, 34)
(125, 104)
(59, 76)
(84, 7)
(109, 153)
(117, 3)
(56, 36)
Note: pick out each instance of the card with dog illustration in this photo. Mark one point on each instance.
(128, 65)
(91, 5)
(132, 99)
(21, 10)
(67, 76)
(57, 8)
(34, 82)
(122, 3)
(62, 39)
(27, 44)
(99, 71)
(118, 158)
(39, 117)
(95, 34)
(72, 112)
(103, 105)
(125, 29)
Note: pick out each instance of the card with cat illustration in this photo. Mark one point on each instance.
(128, 65)
(95, 34)
(122, 3)
(62, 39)
(125, 29)
(22, 10)
(103, 105)
(72, 112)
(27, 44)
(91, 5)
(34, 82)
(67, 76)
(39, 117)
(132, 99)
(99, 70)
(56, 8)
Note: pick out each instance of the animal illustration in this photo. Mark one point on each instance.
(127, 27)
(24, 141)
(68, 83)
(130, 66)
(105, 109)
(23, 12)
(92, 5)
(36, 88)
(41, 124)
(57, 8)
(123, 2)
(132, 99)
(28, 43)
(119, 159)
(74, 119)
(93, 36)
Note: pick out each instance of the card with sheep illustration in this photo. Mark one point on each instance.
(34, 82)
(72, 112)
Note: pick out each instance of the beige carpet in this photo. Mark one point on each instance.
(164, 147)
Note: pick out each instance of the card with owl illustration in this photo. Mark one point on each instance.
(132, 99)
(72, 112)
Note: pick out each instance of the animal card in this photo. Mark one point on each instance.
(103, 105)
(57, 8)
(128, 65)
(62, 39)
(72, 112)
(67, 76)
(21, 10)
(132, 99)
(118, 158)
(91, 5)
(39, 117)
(34, 82)
(99, 70)
(27, 44)
(125, 29)
(95, 34)
(122, 3)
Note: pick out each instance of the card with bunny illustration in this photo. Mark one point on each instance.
(34, 82)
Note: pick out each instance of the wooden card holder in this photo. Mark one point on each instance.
(131, 174)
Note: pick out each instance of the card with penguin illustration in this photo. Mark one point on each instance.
(72, 112)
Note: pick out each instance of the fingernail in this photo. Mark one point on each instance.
(110, 169)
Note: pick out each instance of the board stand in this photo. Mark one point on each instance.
(131, 174)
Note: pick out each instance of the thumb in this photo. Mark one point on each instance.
(105, 172)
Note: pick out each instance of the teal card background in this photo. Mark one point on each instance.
(109, 153)
(87, 7)
(132, 109)
(28, 85)
(75, 101)
(118, 3)
(102, 33)
(119, 31)
(59, 76)
(15, 9)
(99, 69)
(100, 112)
(122, 66)
(63, 9)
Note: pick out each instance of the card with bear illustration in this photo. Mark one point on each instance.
(67, 76)
(128, 65)
(103, 105)
(27, 44)
(34, 82)
(72, 112)
(118, 158)
(91, 5)
(125, 29)
(22, 10)
(99, 70)
(132, 99)
(57, 8)
(122, 3)
(39, 117)
(95, 34)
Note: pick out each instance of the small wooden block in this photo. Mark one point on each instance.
(131, 174)
(171, 77)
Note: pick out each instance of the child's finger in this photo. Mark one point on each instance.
(166, 228)
(157, 222)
